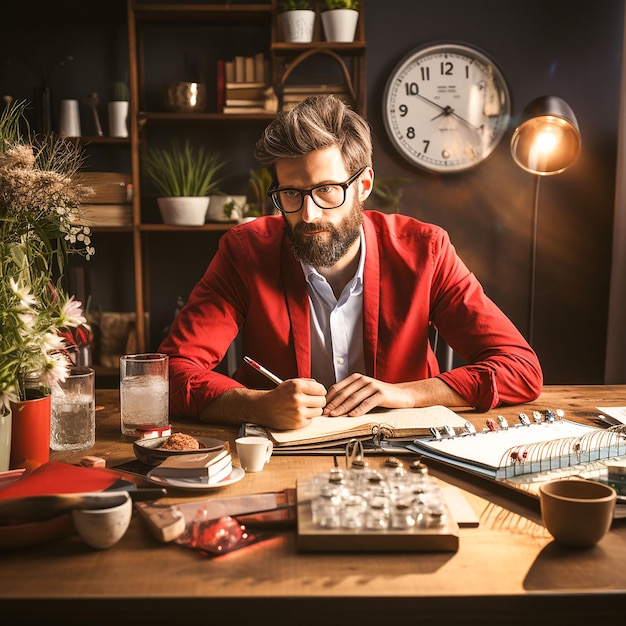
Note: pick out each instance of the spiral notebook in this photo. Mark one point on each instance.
(504, 453)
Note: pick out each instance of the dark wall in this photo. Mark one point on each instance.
(563, 48)
(566, 49)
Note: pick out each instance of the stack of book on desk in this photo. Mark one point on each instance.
(209, 467)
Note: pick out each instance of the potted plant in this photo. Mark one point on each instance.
(118, 110)
(39, 208)
(297, 19)
(339, 19)
(184, 177)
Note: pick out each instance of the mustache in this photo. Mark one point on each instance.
(310, 227)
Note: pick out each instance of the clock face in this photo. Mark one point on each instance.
(446, 107)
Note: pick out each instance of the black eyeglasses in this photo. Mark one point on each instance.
(325, 196)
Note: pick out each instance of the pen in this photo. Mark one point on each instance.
(264, 371)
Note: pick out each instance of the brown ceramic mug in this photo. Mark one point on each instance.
(577, 512)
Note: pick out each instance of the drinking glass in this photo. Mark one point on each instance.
(73, 411)
(144, 391)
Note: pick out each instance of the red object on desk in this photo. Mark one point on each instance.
(55, 477)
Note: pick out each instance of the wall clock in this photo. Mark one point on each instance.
(446, 107)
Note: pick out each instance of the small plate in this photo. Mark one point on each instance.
(191, 485)
(146, 449)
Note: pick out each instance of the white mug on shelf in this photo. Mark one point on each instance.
(69, 119)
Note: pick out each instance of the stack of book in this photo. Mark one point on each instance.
(111, 203)
(210, 467)
(293, 94)
(242, 86)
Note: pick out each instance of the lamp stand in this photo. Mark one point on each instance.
(533, 260)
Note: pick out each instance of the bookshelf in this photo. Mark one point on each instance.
(166, 260)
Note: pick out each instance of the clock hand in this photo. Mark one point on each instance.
(447, 110)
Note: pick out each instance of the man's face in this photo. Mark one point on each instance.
(321, 237)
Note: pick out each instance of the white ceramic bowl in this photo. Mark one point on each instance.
(103, 528)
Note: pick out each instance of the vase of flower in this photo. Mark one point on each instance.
(30, 431)
(39, 210)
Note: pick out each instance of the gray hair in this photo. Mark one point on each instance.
(316, 123)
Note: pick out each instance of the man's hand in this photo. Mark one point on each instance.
(291, 405)
(358, 394)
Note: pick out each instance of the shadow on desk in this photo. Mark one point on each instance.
(560, 568)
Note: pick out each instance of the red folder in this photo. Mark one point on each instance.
(55, 477)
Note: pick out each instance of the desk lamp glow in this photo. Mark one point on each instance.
(546, 142)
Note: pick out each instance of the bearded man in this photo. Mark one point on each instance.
(336, 301)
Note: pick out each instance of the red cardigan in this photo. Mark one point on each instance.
(413, 276)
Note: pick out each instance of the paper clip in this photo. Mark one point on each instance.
(549, 416)
(524, 419)
(537, 417)
(491, 425)
(560, 414)
(504, 425)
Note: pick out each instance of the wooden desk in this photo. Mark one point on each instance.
(507, 571)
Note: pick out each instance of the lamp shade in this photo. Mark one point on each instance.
(547, 140)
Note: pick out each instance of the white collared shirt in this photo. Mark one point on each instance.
(336, 325)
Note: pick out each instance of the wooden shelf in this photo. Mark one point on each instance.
(228, 13)
(214, 227)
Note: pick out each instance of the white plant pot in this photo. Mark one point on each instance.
(216, 207)
(184, 211)
(298, 26)
(340, 24)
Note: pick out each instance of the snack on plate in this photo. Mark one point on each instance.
(180, 441)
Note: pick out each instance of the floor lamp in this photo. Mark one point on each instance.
(546, 142)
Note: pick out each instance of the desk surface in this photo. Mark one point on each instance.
(506, 571)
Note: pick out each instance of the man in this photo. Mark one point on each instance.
(337, 301)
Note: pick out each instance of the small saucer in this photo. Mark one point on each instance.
(192, 485)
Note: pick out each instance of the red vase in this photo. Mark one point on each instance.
(30, 433)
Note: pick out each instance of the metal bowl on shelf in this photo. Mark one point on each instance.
(185, 97)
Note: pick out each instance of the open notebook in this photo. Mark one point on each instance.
(382, 424)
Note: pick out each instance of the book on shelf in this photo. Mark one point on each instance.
(205, 466)
(254, 91)
(386, 424)
(537, 447)
(312, 89)
(246, 69)
(244, 110)
(245, 102)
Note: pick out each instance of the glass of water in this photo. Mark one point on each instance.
(73, 411)
(144, 391)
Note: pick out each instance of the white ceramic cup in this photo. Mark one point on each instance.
(103, 528)
(577, 512)
(253, 452)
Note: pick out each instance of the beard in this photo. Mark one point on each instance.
(325, 249)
